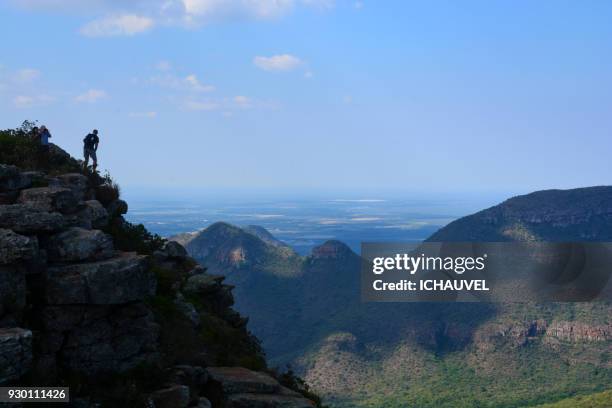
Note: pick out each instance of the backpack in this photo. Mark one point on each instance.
(89, 141)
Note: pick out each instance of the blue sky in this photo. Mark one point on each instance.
(319, 94)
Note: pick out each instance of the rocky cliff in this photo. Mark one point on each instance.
(123, 318)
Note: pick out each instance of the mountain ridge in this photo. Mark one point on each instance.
(377, 350)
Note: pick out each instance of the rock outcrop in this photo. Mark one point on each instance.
(78, 302)
(237, 387)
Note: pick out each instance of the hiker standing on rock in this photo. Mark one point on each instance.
(90, 146)
(44, 135)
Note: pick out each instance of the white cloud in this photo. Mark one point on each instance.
(188, 83)
(126, 24)
(284, 62)
(194, 83)
(27, 75)
(201, 105)
(358, 5)
(91, 96)
(163, 66)
(242, 101)
(26, 101)
(225, 104)
(308, 74)
(122, 17)
(146, 115)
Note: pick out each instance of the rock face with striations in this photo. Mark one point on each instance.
(73, 304)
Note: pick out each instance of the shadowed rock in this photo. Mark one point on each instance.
(15, 247)
(92, 340)
(75, 182)
(119, 280)
(26, 219)
(15, 353)
(50, 199)
(238, 380)
(79, 244)
(12, 290)
(12, 179)
(266, 401)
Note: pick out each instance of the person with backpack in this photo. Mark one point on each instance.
(90, 146)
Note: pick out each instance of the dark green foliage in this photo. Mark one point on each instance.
(107, 190)
(290, 380)
(20, 147)
(133, 237)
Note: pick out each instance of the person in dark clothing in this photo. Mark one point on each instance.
(90, 147)
(41, 137)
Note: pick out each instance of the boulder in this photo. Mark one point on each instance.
(12, 290)
(92, 215)
(266, 401)
(175, 250)
(50, 199)
(122, 279)
(12, 179)
(203, 403)
(99, 339)
(116, 208)
(26, 219)
(77, 183)
(239, 380)
(79, 244)
(193, 376)
(187, 309)
(203, 283)
(15, 247)
(175, 396)
(15, 353)
(96, 213)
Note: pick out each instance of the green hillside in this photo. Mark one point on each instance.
(597, 400)
(420, 354)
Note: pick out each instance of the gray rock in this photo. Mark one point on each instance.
(196, 270)
(187, 309)
(125, 278)
(96, 213)
(15, 247)
(193, 376)
(15, 353)
(92, 215)
(97, 339)
(203, 403)
(50, 199)
(12, 290)
(175, 250)
(175, 396)
(77, 183)
(12, 179)
(26, 219)
(116, 208)
(266, 401)
(239, 380)
(203, 283)
(79, 244)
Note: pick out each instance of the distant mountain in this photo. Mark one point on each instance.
(308, 312)
(582, 214)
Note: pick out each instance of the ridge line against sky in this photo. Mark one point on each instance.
(312, 94)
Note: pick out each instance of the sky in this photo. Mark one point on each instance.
(307, 95)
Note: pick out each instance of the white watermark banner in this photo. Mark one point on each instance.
(486, 272)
